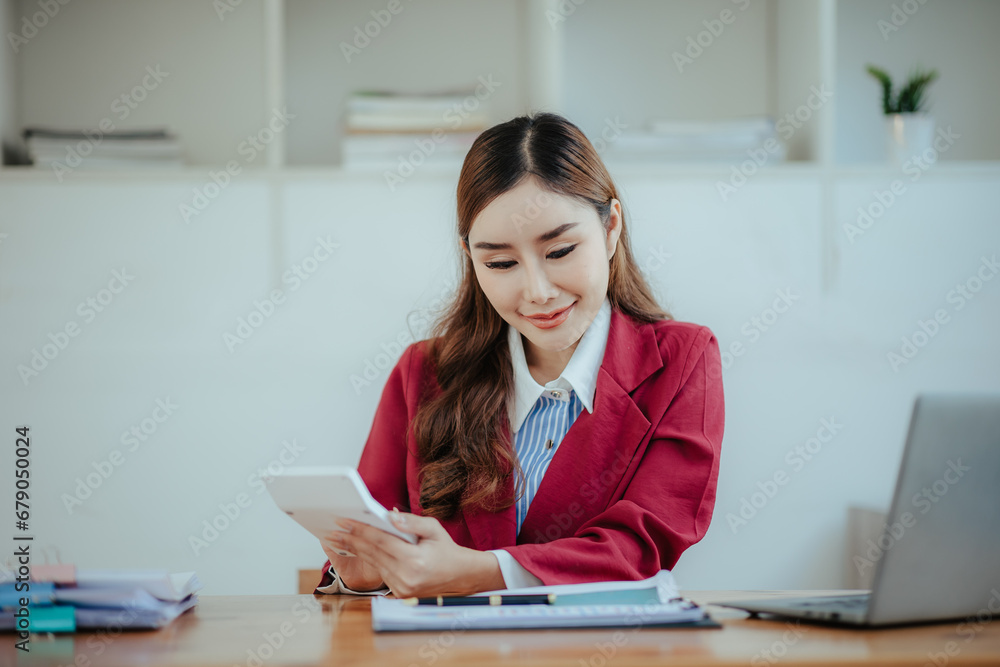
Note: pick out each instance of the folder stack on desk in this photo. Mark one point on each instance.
(653, 602)
(61, 598)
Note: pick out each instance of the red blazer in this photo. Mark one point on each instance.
(631, 486)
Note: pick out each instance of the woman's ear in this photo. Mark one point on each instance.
(464, 246)
(614, 227)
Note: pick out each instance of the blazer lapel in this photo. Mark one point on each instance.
(592, 459)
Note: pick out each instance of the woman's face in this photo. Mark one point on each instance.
(537, 253)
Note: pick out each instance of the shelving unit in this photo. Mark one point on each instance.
(231, 71)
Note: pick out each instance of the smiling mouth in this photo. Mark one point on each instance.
(549, 316)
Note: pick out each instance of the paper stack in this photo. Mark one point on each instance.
(94, 149)
(385, 129)
(699, 141)
(650, 602)
(96, 599)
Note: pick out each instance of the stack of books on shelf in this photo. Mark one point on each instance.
(66, 149)
(700, 141)
(61, 598)
(386, 130)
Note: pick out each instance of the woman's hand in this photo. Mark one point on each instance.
(435, 565)
(354, 572)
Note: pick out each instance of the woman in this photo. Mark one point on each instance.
(558, 427)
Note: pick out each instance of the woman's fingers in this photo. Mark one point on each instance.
(372, 544)
(421, 526)
(331, 546)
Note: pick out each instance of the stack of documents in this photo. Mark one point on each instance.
(389, 130)
(700, 141)
(96, 599)
(64, 149)
(650, 602)
(394, 112)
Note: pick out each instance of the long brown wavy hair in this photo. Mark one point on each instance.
(463, 436)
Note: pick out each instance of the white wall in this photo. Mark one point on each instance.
(162, 336)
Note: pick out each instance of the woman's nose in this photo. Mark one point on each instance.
(537, 286)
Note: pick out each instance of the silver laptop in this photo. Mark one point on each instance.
(940, 549)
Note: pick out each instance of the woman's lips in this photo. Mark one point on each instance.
(550, 322)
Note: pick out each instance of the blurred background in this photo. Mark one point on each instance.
(222, 221)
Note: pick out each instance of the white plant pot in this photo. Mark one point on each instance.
(908, 134)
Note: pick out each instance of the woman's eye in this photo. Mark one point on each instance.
(562, 252)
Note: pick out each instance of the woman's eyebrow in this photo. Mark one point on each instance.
(547, 236)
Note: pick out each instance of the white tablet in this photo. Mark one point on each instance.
(315, 496)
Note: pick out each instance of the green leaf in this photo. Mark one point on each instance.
(912, 96)
(883, 78)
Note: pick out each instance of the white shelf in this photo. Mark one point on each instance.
(989, 169)
(605, 59)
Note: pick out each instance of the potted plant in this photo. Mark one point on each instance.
(910, 129)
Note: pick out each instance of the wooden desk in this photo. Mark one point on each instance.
(336, 630)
